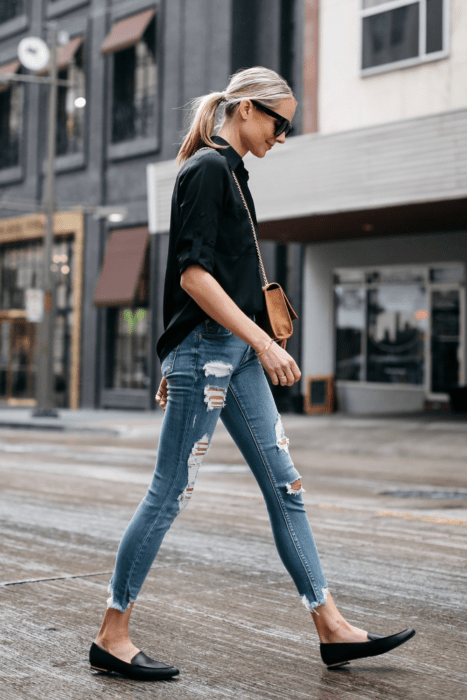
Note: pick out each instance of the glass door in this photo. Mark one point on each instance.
(446, 361)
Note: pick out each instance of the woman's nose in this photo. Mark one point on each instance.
(280, 138)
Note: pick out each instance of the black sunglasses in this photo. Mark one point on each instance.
(284, 127)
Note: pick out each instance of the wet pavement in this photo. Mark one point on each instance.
(387, 499)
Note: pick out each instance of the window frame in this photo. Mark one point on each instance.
(422, 57)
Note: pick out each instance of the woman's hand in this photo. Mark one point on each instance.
(162, 393)
(280, 366)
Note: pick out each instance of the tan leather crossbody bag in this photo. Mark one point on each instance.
(278, 314)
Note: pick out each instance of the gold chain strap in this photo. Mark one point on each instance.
(263, 271)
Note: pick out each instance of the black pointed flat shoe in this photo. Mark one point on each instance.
(343, 653)
(141, 667)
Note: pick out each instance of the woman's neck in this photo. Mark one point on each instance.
(232, 137)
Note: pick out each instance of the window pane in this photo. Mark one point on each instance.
(445, 340)
(350, 275)
(70, 108)
(397, 320)
(11, 125)
(434, 25)
(135, 89)
(390, 36)
(397, 275)
(350, 324)
(130, 349)
(454, 273)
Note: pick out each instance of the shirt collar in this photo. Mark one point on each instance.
(233, 158)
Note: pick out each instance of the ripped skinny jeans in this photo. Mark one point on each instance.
(212, 374)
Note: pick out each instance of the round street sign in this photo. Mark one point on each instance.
(33, 53)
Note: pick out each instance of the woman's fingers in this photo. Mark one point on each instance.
(280, 366)
(162, 393)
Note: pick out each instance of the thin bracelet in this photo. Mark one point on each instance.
(266, 348)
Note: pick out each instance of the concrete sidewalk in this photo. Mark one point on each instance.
(121, 423)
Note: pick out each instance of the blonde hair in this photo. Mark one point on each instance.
(257, 83)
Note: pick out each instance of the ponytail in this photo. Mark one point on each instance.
(256, 83)
(203, 122)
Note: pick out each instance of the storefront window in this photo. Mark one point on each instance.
(21, 268)
(397, 318)
(400, 325)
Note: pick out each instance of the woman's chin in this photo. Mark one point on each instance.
(261, 151)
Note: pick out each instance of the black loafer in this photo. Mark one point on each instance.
(343, 653)
(141, 667)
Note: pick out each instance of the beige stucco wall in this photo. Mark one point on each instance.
(348, 101)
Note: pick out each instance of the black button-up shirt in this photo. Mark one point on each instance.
(210, 227)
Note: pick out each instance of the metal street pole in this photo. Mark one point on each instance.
(44, 376)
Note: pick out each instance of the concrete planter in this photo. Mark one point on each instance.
(363, 397)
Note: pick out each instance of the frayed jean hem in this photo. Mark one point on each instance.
(310, 606)
(111, 603)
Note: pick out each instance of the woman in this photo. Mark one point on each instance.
(213, 355)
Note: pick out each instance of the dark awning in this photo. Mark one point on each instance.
(9, 68)
(127, 32)
(122, 267)
(65, 55)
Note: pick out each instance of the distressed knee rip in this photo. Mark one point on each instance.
(197, 453)
(282, 441)
(217, 369)
(214, 397)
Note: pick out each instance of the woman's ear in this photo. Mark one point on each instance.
(245, 108)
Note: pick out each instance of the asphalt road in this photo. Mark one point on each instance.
(388, 505)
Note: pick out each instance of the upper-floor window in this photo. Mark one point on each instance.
(71, 100)
(134, 87)
(11, 119)
(400, 33)
(11, 9)
(71, 103)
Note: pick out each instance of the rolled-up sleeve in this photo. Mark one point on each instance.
(201, 195)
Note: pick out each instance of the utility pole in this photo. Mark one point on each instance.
(44, 366)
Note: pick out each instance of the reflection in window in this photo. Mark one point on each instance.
(11, 123)
(9, 9)
(350, 326)
(397, 319)
(390, 36)
(71, 107)
(135, 89)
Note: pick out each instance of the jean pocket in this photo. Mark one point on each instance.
(211, 329)
(168, 363)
